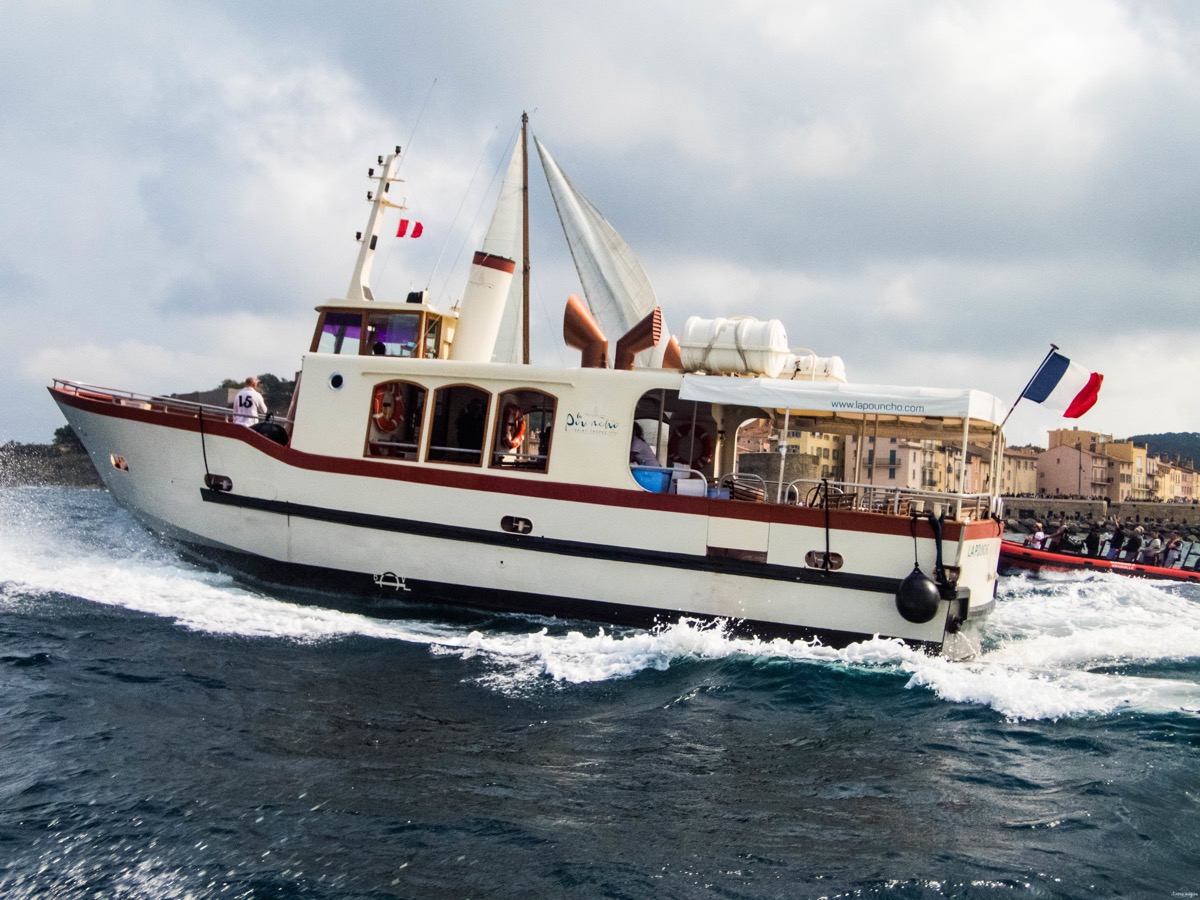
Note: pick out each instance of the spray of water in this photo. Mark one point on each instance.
(1055, 648)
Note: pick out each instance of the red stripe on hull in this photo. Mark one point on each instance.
(427, 474)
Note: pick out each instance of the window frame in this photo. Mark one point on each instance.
(445, 451)
(377, 449)
(523, 462)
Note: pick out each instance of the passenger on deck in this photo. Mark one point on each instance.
(1152, 552)
(1091, 543)
(1134, 544)
(1117, 541)
(248, 404)
(641, 453)
(1037, 539)
(1174, 550)
(1058, 540)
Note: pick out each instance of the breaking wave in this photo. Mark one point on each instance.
(1055, 648)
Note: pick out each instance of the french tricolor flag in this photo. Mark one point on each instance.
(1064, 387)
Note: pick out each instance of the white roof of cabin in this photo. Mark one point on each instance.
(836, 397)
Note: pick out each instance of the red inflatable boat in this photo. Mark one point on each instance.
(1016, 557)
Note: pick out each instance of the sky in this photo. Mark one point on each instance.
(935, 191)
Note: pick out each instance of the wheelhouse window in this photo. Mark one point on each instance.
(460, 414)
(433, 337)
(339, 332)
(395, 420)
(394, 334)
(525, 420)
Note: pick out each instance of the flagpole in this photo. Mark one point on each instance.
(524, 239)
(1021, 395)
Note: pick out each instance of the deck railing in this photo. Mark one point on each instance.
(876, 498)
(750, 488)
(135, 400)
(896, 501)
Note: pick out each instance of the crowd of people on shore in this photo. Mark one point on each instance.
(1133, 544)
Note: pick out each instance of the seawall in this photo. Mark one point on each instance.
(1048, 510)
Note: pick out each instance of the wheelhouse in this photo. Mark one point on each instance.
(413, 329)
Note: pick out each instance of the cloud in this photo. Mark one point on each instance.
(935, 191)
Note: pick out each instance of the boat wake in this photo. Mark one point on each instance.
(1055, 648)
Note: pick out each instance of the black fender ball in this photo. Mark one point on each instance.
(917, 598)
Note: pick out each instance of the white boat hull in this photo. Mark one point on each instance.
(394, 532)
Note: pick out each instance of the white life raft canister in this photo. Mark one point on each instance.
(738, 346)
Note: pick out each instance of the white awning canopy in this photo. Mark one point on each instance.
(850, 400)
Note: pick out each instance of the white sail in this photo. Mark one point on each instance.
(489, 327)
(507, 220)
(617, 289)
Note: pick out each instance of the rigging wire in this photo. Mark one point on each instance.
(417, 124)
(559, 347)
(466, 194)
(496, 174)
(405, 149)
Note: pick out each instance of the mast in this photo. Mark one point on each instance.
(360, 281)
(1021, 395)
(524, 239)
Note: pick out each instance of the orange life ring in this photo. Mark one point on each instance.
(693, 448)
(514, 426)
(387, 408)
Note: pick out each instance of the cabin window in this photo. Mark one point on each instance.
(341, 332)
(525, 419)
(460, 414)
(433, 337)
(395, 420)
(394, 334)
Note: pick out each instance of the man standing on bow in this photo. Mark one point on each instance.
(248, 404)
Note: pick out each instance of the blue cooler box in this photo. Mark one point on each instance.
(653, 479)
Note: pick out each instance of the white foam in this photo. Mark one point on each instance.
(1048, 635)
(1045, 642)
(155, 582)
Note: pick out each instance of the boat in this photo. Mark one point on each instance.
(424, 461)
(1015, 558)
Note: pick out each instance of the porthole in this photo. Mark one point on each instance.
(336, 381)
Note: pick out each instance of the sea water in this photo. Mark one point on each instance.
(167, 730)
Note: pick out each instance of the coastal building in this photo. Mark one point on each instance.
(1128, 472)
(1018, 472)
(1176, 481)
(1136, 478)
(1170, 480)
(1118, 471)
(807, 456)
(1072, 471)
(754, 436)
(825, 449)
(1092, 441)
(913, 464)
(885, 461)
(979, 470)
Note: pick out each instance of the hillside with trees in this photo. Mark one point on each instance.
(64, 461)
(1183, 446)
(276, 391)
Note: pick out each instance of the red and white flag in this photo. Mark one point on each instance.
(417, 229)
